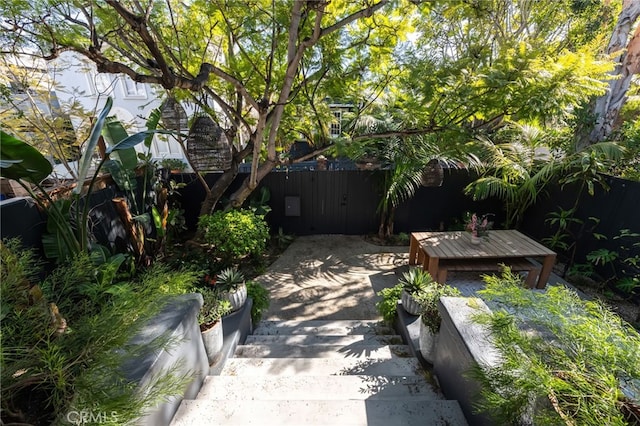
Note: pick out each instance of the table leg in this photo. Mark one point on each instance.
(547, 266)
(433, 266)
(413, 249)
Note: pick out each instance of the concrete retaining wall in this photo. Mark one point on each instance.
(463, 343)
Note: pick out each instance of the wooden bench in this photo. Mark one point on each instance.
(516, 265)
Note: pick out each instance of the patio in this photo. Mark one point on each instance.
(327, 121)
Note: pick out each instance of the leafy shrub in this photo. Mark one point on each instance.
(389, 303)
(213, 308)
(571, 361)
(234, 233)
(58, 338)
(173, 164)
(260, 296)
(428, 299)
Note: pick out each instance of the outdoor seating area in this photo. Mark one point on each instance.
(440, 252)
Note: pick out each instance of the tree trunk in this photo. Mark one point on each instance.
(606, 108)
(242, 193)
(218, 189)
(385, 230)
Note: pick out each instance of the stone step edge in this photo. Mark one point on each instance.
(321, 366)
(356, 351)
(318, 412)
(318, 339)
(318, 387)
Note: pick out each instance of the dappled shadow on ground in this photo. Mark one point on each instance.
(330, 277)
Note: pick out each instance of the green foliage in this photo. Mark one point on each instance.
(389, 304)
(428, 298)
(213, 307)
(67, 339)
(235, 233)
(629, 137)
(33, 111)
(173, 164)
(68, 220)
(259, 203)
(624, 267)
(403, 238)
(260, 296)
(416, 280)
(570, 361)
(518, 174)
(283, 240)
(19, 160)
(229, 279)
(113, 132)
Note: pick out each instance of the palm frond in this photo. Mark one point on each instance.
(491, 186)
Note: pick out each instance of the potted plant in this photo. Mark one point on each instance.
(479, 227)
(427, 300)
(210, 320)
(413, 282)
(232, 287)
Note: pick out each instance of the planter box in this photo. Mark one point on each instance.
(461, 344)
(178, 321)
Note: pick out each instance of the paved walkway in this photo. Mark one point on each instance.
(320, 355)
(331, 277)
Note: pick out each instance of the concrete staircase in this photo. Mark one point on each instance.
(320, 373)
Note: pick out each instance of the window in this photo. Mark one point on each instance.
(335, 129)
(103, 84)
(132, 89)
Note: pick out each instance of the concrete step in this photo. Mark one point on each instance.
(321, 367)
(317, 388)
(323, 339)
(315, 327)
(368, 412)
(361, 351)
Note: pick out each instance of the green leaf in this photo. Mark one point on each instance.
(85, 161)
(133, 140)
(20, 160)
(114, 132)
(152, 124)
(157, 221)
(125, 179)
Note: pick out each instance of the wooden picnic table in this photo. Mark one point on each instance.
(427, 248)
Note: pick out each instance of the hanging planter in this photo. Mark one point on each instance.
(433, 174)
(173, 115)
(207, 146)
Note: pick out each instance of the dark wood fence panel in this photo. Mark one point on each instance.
(616, 209)
(346, 202)
(336, 202)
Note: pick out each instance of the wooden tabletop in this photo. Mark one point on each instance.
(499, 243)
(428, 248)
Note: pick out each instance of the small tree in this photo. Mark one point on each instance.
(248, 63)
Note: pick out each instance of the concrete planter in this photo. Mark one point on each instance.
(428, 341)
(409, 304)
(184, 355)
(213, 339)
(237, 297)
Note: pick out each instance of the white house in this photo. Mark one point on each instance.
(132, 102)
